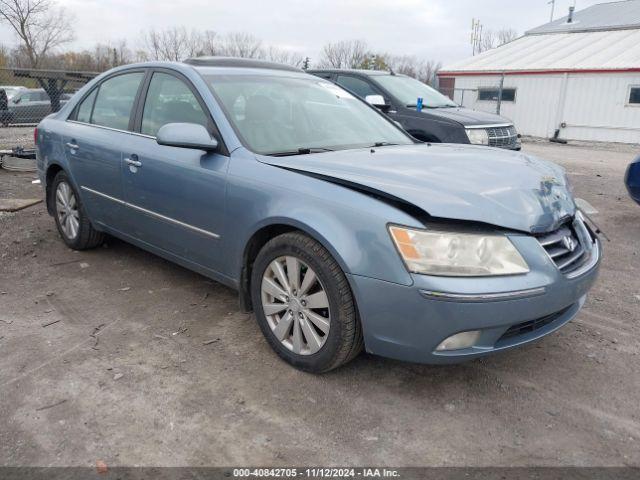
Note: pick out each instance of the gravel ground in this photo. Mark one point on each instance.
(11, 137)
(124, 375)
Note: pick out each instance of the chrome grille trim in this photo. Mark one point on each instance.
(482, 297)
(571, 247)
(502, 137)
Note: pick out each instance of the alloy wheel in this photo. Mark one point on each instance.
(67, 210)
(296, 305)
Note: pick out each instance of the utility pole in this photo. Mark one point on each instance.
(476, 36)
(553, 6)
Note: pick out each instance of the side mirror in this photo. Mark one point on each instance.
(377, 101)
(16, 100)
(186, 135)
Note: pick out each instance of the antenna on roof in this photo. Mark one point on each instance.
(553, 6)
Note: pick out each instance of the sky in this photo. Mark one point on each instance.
(431, 29)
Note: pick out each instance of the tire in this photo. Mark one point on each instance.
(83, 236)
(342, 342)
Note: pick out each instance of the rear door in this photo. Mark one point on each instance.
(175, 196)
(97, 131)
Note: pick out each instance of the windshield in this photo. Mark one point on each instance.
(10, 91)
(407, 90)
(289, 115)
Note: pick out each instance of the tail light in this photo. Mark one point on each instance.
(35, 135)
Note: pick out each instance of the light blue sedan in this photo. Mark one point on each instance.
(338, 230)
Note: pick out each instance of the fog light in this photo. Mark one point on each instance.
(460, 341)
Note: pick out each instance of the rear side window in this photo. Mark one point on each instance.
(115, 99)
(32, 97)
(326, 76)
(85, 108)
(356, 85)
(170, 100)
(634, 96)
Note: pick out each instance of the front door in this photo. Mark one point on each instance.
(175, 196)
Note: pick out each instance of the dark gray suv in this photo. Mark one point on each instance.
(441, 120)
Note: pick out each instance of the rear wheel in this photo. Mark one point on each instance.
(72, 221)
(304, 305)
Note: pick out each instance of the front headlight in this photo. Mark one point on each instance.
(457, 254)
(478, 136)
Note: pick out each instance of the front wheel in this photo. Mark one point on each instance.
(304, 305)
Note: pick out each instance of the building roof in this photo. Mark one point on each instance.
(557, 52)
(604, 16)
(601, 38)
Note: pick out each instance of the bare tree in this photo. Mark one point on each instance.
(4, 56)
(173, 44)
(344, 54)
(279, 55)
(40, 25)
(487, 42)
(109, 55)
(209, 43)
(423, 70)
(506, 35)
(242, 45)
(491, 39)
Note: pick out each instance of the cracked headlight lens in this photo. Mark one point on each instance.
(457, 254)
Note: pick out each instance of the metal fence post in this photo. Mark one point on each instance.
(500, 94)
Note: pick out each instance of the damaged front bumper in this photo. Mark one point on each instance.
(412, 323)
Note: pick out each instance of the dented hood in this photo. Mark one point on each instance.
(461, 182)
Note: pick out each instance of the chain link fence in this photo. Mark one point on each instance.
(487, 97)
(29, 95)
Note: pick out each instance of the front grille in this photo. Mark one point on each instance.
(531, 325)
(565, 246)
(503, 137)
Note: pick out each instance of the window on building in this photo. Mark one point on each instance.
(491, 94)
(634, 96)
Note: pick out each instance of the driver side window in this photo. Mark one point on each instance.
(356, 85)
(170, 100)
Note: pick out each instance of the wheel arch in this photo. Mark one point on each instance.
(259, 238)
(52, 170)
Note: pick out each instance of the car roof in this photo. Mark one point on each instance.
(233, 62)
(216, 65)
(369, 73)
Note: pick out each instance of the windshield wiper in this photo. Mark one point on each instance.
(300, 151)
(382, 144)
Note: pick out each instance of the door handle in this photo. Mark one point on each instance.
(72, 146)
(133, 161)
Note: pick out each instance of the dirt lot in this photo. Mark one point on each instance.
(125, 377)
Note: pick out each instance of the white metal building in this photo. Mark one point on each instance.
(580, 76)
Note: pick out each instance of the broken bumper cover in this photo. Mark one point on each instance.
(409, 322)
